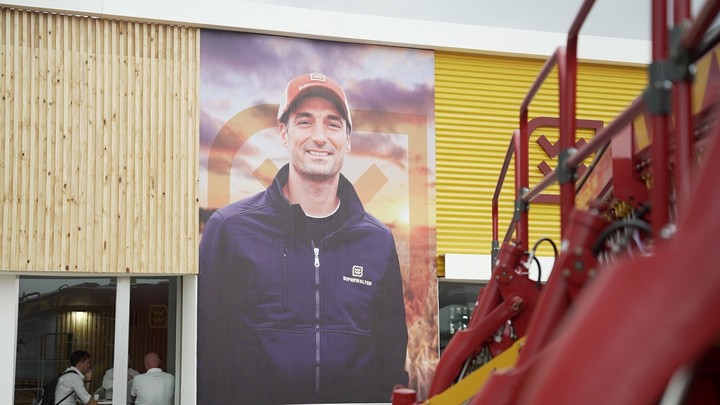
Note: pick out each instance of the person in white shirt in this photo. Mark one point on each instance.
(70, 388)
(155, 387)
(107, 382)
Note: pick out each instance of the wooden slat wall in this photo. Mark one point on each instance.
(99, 146)
(92, 331)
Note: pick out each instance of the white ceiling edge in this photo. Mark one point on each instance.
(347, 27)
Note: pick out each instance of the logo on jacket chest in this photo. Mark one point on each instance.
(357, 274)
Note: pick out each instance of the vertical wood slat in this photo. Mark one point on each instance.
(12, 145)
(22, 140)
(162, 144)
(40, 150)
(46, 138)
(98, 168)
(4, 126)
(31, 141)
(154, 143)
(175, 115)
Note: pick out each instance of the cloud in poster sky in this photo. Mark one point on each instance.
(248, 69)
(379, 147)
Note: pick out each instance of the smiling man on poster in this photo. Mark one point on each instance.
(301, 292)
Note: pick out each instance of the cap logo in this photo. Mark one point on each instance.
(357, 271)
(317, 76)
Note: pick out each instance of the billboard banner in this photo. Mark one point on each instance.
(317, 255)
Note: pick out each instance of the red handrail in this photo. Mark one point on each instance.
(557, 58)
(693, 37)
(659, 121)
(682, 92)
(566, 60)
(511, 151)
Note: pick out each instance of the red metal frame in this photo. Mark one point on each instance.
(635, 325)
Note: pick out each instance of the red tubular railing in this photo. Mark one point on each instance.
(604, 136)
(694, 35)
(558, 57)
(682, 109)
(568, 101)
(682, 91)
(511, 152)
(661, 172)
(566, 60)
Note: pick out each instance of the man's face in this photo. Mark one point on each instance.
(317, 139)
(83, 366)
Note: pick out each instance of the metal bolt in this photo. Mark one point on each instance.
(668, 231)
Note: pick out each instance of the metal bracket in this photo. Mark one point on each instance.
(664, 72)
(657, 94)
(565, 174)
(520, 205)
(494, 252)
(681, 66)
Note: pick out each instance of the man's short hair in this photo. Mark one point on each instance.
(78, 356)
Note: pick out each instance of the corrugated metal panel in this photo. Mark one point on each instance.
(477, 101)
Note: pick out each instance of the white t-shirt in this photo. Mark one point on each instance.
(108, 377)
(72, 383)
(108, 382)
(155, 387)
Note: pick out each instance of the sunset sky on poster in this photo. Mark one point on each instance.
(375, 78)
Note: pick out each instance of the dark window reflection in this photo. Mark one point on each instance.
(457, 301)
(57, 316)
(152, 321)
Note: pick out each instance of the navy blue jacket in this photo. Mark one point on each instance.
(286, 318)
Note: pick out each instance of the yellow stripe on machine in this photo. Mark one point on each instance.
(470, 385)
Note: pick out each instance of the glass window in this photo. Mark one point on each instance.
(56, 316)
(457, 301)
(153, 322)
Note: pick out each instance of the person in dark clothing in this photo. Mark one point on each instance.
(300, 292)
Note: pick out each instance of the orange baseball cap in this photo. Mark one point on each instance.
(316, 84)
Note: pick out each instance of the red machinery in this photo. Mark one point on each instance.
(628, 315)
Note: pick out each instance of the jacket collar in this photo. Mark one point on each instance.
(346, 193)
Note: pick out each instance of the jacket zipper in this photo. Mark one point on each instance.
(286, 281)
(317, 316)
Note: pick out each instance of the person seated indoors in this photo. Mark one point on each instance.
(154, 387)
(70, 388)
(107, 383)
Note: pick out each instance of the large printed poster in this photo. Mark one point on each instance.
(317, 257)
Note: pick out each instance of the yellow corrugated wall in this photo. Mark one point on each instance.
(477, 102)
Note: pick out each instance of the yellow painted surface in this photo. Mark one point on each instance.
(472, 383)
(478, 100)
